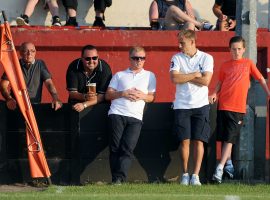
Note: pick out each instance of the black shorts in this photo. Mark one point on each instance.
(229, 125)
(192, 123)
(100, 5)
(70, 4)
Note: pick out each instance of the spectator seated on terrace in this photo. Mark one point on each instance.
(99, 5)
(23, 20)
(225, 11)
(174, 15)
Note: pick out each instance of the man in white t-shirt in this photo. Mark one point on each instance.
(128, 90)
(191, 71)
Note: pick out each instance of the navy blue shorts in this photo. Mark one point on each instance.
(229, 125)
(192, 123)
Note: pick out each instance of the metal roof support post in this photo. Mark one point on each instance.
(246, 11)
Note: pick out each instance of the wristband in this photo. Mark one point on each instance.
(84, 105)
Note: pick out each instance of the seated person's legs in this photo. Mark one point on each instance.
(54, 9)
(108, 3)
(188, 26)
(29, 9)
(100, 7)
(71, 9)
(175, 17)
(153, 15)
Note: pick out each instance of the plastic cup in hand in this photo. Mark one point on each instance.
(91, 87)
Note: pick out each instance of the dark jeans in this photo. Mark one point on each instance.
(125, 132)
(99, 5)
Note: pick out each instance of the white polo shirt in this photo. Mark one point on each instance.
(123, 80)
(189, 95)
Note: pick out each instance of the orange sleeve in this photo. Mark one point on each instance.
(255, 73)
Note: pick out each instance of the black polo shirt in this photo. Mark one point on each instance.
(76, 78)
(228, 7)
(34, 77)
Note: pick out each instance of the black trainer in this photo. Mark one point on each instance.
(71, 22)
(154, 25)
(56, 21)
(99, 22)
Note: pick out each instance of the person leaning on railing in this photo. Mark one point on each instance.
(84, 71)
(35, 73)
(128, 92)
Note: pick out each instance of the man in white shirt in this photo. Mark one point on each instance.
(128, 90)
(191, 71)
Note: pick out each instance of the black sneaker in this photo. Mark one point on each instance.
(99, 22)
(71, 22)
(56, 21)
(154, 25)
(22, 20)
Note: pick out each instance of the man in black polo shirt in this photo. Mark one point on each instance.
(82, 71)
(35, 74)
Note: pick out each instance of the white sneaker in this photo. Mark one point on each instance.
(207, 26)
(185, 179)
(21, 22)
(195, 180)
(217, 176)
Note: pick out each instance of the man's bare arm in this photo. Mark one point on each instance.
(56, 102)
(204, 80)
(178, 78)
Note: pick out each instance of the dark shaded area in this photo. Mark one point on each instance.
(76, 145)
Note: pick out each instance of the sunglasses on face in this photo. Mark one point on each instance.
(90, 58)
(137, 58)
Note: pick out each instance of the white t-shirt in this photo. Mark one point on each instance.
(123, 80)
(189, 95)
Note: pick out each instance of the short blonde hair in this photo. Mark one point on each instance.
(136, 49)
(189, 34)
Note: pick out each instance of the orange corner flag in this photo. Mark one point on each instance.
(9, 61)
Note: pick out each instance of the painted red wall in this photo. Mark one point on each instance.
(59, 46)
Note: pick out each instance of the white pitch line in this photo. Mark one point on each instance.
(231, 197)
(60, 191)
